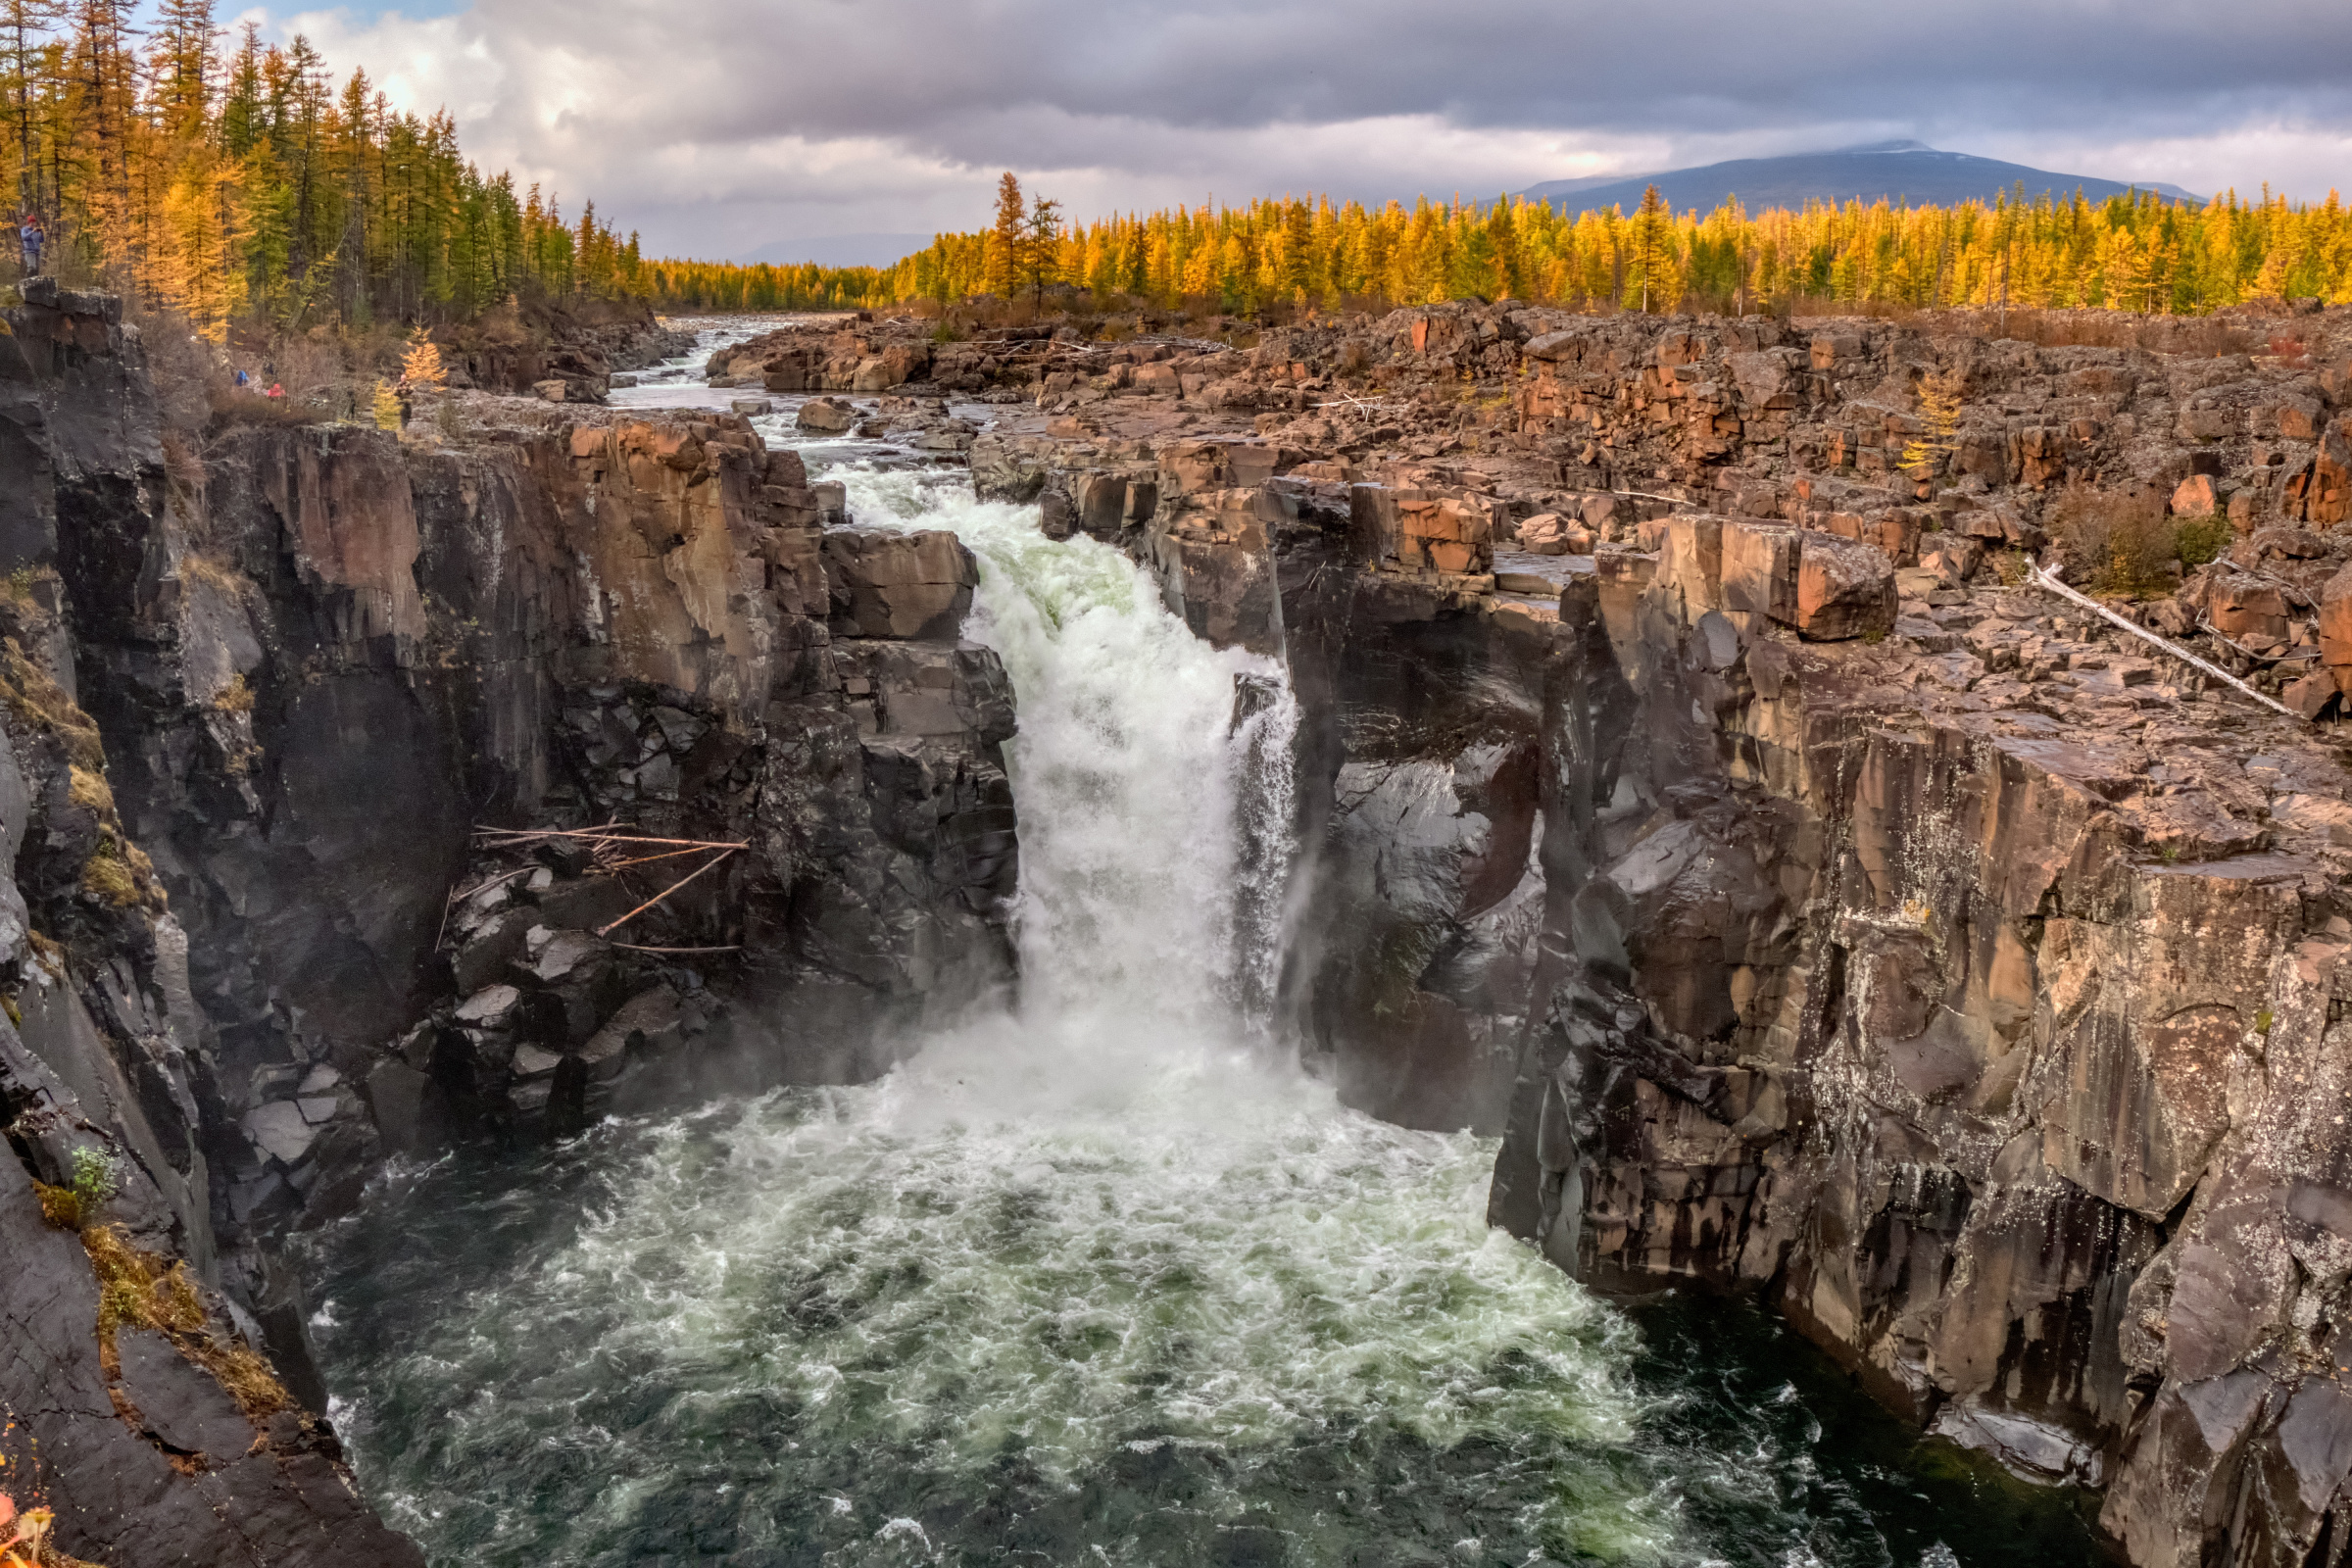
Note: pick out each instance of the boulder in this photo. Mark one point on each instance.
(826, 417)
(1843, 589)
(909, 585)
(1952, 557)
(1543, 535)
(2246, 607)
(550, 391)
(490, 1007)
(1447, 535)
(280, 1130)
(1190, 467)
(791, 370)
(2193, 497)
(648, 1023)
(2310, 694)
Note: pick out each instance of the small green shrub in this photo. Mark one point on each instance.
(2119, 542)
(2202, 539)
(93, 1178)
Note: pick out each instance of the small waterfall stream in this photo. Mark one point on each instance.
(1103, 1281)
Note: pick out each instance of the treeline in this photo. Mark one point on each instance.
(241, 182)
(2138, 252)
(728, 286)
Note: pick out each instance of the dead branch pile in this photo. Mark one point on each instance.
(611, 849)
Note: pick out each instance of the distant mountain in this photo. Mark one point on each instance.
(1903, 170)
(840, 250)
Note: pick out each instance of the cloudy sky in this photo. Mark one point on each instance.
(724, 128)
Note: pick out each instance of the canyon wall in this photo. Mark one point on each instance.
(133, 1400)
(1816, 908)
(261, 683)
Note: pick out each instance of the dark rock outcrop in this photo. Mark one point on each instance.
(310, 660)
(153, 1426)
(1815, 911)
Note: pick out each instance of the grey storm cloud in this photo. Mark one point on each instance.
(948, 70)
(724, 118)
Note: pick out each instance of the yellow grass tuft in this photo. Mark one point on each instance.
(142, 1289)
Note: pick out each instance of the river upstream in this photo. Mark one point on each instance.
(1107, 1281)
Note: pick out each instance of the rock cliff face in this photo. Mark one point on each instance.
(1813, 912)
(132, 1398)
(309, 661)
(1884, 1003)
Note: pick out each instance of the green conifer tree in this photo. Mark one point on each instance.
(1006, 254)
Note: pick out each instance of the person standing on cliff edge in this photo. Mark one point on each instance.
(29, 236)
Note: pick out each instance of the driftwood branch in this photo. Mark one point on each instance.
(723, 852)
(632, 946)
(2243, 652)
(499, 838)
(2045, 579)
(667, 854)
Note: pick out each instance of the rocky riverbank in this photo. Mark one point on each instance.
(261, 683)
(1694, 794)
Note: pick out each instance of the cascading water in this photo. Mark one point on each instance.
(1103, 1281)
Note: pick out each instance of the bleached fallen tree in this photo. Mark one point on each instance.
(2041, 579)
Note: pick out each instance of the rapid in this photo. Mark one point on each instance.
(1103, 1280)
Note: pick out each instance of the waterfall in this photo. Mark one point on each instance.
(1152, 771)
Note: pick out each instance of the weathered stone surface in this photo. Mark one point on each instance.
(824, 416)
(1759, 571)
(1544, 535)
(269, 1493)
(909, 585)
(1843, 589)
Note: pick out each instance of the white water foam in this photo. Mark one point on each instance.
(1149, 816)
